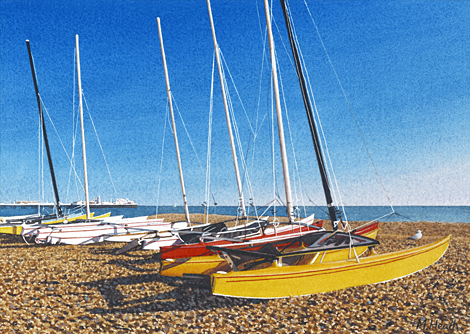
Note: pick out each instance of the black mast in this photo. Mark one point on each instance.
(311, 122)
(46, 142)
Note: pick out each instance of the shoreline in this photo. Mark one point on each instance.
(87, 288)
(454, 214)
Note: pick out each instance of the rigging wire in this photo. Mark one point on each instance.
(39, 161)
(209, 144)
(60, 140)
(324, 146)
(275, 191)
(318, 125)
(235, 87)
(296, 170)
(237, 133)
(253, 133)
(256, 107)
(99, 143)
(187, 133)
(349, 106)
(161, 159)
(75, 122)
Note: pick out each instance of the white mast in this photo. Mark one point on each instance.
(285, 167)
(80, 105)
(167, 80)
(227, 115)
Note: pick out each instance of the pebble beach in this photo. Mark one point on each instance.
(89, 289)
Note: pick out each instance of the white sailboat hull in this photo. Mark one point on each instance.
(171, 240)
(93, 232)
(156, 243)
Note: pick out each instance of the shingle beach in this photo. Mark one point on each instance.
(88, 289)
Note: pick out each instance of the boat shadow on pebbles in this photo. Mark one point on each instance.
(136, 261)
(16, 241)
(171, 294)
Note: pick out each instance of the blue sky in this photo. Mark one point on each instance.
(403, 65)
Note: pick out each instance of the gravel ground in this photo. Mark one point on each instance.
(87, 289)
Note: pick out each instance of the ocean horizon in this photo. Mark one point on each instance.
(409, 213)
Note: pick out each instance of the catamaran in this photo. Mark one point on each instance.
(206, 258)
(14, 224)
(273, 273)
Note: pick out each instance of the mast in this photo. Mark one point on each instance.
(311, 121)
(80, 105)
(43, 123)
(227, 115)
(285, 167)
(168, 91)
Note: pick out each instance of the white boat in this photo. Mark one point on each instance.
(109, 229)
(190, 235)
(13, 219)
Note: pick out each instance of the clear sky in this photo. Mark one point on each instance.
(403, 65)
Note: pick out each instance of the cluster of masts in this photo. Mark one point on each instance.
(285, 167)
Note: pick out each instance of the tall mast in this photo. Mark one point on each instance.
(311, 121)
(43, 123)
(285, 167)
(227, 114)
(168, 91)
(80, 105)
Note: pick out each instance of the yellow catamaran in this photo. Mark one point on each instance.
(279, 281)
(269, 273)
(211, 264)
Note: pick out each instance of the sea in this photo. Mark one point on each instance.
(449, 214)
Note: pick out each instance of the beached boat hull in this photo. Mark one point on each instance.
(279, 282)
(18, 228)
(207, 265)
(199, 249)
(93, 232)
(270, 234)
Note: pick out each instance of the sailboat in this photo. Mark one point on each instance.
(93, 230)
(206, 258)
(270, 273)
(14, 225)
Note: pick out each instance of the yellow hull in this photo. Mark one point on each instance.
(16, 229)
(11, 229)
(279, 282)
(62, 220)
(208, 265)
